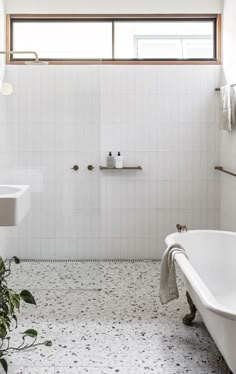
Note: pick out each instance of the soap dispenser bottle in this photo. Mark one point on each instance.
(110, 161)
(119, 161)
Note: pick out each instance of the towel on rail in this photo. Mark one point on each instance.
(227, 107)
(168, 286)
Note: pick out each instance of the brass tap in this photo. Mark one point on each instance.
(181, 228)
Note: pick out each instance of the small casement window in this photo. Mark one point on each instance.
(115, 39)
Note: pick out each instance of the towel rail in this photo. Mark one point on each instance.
(220, 168)
(218, 88)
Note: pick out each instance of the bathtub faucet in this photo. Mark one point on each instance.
(181, 228)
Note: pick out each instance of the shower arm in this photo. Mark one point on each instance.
(21, 52)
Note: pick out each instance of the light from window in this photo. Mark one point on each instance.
(64, 40)
(115, 38)
(164, 40)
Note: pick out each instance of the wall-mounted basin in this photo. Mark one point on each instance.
(14, 204)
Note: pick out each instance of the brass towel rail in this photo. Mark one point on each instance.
(220, 168)
(218, 88)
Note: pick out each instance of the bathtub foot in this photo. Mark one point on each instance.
(188, 319)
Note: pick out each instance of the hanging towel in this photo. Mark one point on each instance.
(233, 106)
(168, 286)
(227, 107)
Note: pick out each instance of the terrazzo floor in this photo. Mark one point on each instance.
(104, 318)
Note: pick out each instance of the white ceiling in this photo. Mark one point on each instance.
(114, 6)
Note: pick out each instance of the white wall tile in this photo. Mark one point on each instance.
(163, 118)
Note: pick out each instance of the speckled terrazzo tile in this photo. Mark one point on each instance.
(92, 346)
(80, 275)
(122, 327)
(101, 370)
(110, 370)
(136, 370)
(31, 370)
(65, 307)
(127, 276)
(108, 346)
(34, 276)
(78, 370)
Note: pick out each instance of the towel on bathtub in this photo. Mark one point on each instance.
(168, 286)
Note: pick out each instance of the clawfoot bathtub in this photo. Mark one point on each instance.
(210, 278)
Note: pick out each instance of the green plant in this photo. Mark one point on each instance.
(10, 302)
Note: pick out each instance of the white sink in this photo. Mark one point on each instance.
(14, 204)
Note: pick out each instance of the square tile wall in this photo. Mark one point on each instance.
(228, 183)
(3, 164)
(164, 118)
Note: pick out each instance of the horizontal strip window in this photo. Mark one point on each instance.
(115, 39)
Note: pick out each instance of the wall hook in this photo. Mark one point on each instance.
(75, 167)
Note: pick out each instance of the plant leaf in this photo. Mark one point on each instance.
(27, 297)
(14, 301)
(4, 364)
(3, 331)
(31, 333)
(2, 266)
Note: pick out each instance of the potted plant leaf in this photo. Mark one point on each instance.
(10, 303)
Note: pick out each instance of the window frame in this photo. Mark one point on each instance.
(216, 18)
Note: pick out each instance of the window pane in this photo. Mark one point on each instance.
(63, 40)
(164, 39)
(158, 48)
(198, 48)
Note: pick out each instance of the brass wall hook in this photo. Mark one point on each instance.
(181, 228)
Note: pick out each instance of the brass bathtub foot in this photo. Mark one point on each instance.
(188, 319)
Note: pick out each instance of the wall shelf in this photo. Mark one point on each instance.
(124, 168)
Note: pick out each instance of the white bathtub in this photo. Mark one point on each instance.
(210, 277)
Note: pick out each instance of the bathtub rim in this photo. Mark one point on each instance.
(205, 296)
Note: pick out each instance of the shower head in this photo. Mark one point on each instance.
(36, 60)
